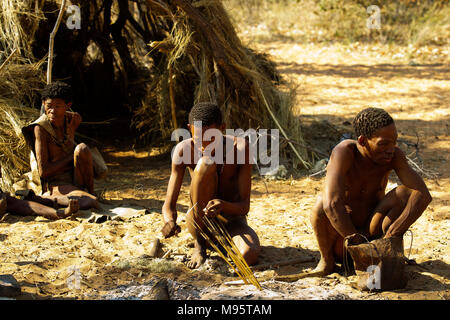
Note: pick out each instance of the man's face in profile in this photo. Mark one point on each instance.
(381, 146)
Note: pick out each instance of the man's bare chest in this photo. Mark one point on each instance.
(58, 147)
(366, 184)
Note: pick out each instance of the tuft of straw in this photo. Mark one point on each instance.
(220, 236)
(19, 22)
(19, 90)
(204, 59)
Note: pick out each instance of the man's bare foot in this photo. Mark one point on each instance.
(324, 267)
(197, 259)
(72, 208)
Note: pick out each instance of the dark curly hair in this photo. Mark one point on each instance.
(369, 120)
(57, 89)
(207, 112)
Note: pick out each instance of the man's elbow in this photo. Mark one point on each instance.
(330, 207)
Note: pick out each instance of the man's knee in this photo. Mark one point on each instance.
(318, 214)
(82, 151)
(402, 194)
(251, 254)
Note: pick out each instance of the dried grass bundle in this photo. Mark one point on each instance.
(19, 90)
(204, 59)
(19, 21)
(195, 55)
(14, 152)
(217, 235)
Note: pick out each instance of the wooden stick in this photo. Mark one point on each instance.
(173, 105)
(298, 276)
(7, 59)
(52, 41)
(305, 164)
(431, 175)
(282, 263)
(284, 278)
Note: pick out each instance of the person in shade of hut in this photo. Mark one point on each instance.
(66, 168)
(41, 207)
(216, 188)
(353, 203)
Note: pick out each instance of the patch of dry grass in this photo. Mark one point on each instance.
(405, 22)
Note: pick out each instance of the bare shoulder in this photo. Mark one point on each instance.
(342, 158)
(181, 150)
(399, 158)
(344, 150)
(240, 143)
(39, 133)
(241, 149)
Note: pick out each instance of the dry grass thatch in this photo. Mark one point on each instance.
(19, 21)
(202, 42)
(161, 57)
(19, 85)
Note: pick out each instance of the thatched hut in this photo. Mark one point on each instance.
(148, 62)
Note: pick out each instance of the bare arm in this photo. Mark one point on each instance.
(74, 120)
(46, 167)
(418, 201)
(334, 191)
(169, 209)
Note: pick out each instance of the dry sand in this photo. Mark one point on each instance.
(334, 83)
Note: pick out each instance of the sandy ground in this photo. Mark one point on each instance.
(79, 260)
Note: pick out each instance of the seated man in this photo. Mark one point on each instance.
(66, 169)
(31, 208)
(215, 188)
(353, 202)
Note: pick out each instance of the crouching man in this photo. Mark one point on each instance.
(353, 202)
(216, 188)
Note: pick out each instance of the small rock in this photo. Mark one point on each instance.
(159, 291)
(9, 287)
(277, 173)
(179, 257)
(319, 165)
(154, 248)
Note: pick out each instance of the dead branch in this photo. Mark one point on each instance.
(52, 42)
